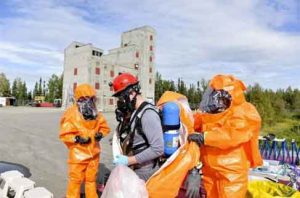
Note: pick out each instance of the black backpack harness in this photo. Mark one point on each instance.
(126, 134)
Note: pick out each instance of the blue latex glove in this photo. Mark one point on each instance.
(121, 159)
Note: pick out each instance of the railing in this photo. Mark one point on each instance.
(278, 149)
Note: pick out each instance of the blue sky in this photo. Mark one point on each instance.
(257, 41)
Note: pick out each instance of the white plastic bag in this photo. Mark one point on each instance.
(124, 183)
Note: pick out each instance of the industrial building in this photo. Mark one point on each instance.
(85, 63)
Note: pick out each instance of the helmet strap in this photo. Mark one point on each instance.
(132, 103)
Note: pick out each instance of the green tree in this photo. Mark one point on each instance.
(35, 90)
(172, 86)
(297, 101)
(4, 86)
(19, 91)
(158, 86)
(60, 87)
(181, 87)
(44, 88)
(40, 89)
(278, 105)
(192, 96)
(23, 91)
(259, 98)
(53, 88)
(29, 96)
(288, 96)
(14, 89)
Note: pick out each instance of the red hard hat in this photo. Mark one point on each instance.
(122, 81)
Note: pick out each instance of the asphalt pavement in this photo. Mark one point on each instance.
(29, 136)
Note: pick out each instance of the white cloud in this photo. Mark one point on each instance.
(29, 56)
(199, 39)
(195, 39)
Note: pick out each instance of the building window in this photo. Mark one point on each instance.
(150, 81)
(125, 45)
(111, 88)
(151, 38)
(112, 74)
(96, 53)
(97, 70)
(151, 48)
(74, 86)
(97, 85)
(136, 66)
(150, 58)
(111, 101)
(150, 69)
(75, 71)
(137, 54)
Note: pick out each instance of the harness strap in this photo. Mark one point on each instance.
(138, 125)
(143, 146)
(128, 140)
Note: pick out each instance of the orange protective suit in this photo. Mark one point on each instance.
(166, 182)
(83, 159)
(230, 142)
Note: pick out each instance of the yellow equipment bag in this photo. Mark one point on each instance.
(268, 189)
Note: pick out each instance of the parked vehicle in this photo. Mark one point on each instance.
(57, 102)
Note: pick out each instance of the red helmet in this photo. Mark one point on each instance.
(122, 81)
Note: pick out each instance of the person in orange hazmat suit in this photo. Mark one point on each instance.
(228, 139)
(193, 180)
(81, 129)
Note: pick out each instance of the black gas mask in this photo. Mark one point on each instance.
(125, 105)
(87, 107)
(215, 101)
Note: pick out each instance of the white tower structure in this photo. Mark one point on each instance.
(84, 63)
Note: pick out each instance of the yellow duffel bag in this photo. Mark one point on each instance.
(266, 189)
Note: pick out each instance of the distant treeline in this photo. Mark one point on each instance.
(51, 89)
(273, 106)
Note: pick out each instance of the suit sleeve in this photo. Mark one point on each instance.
(67, 131)
(103, 126)
(197, 122)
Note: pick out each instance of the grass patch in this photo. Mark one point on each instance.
(288, 128)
